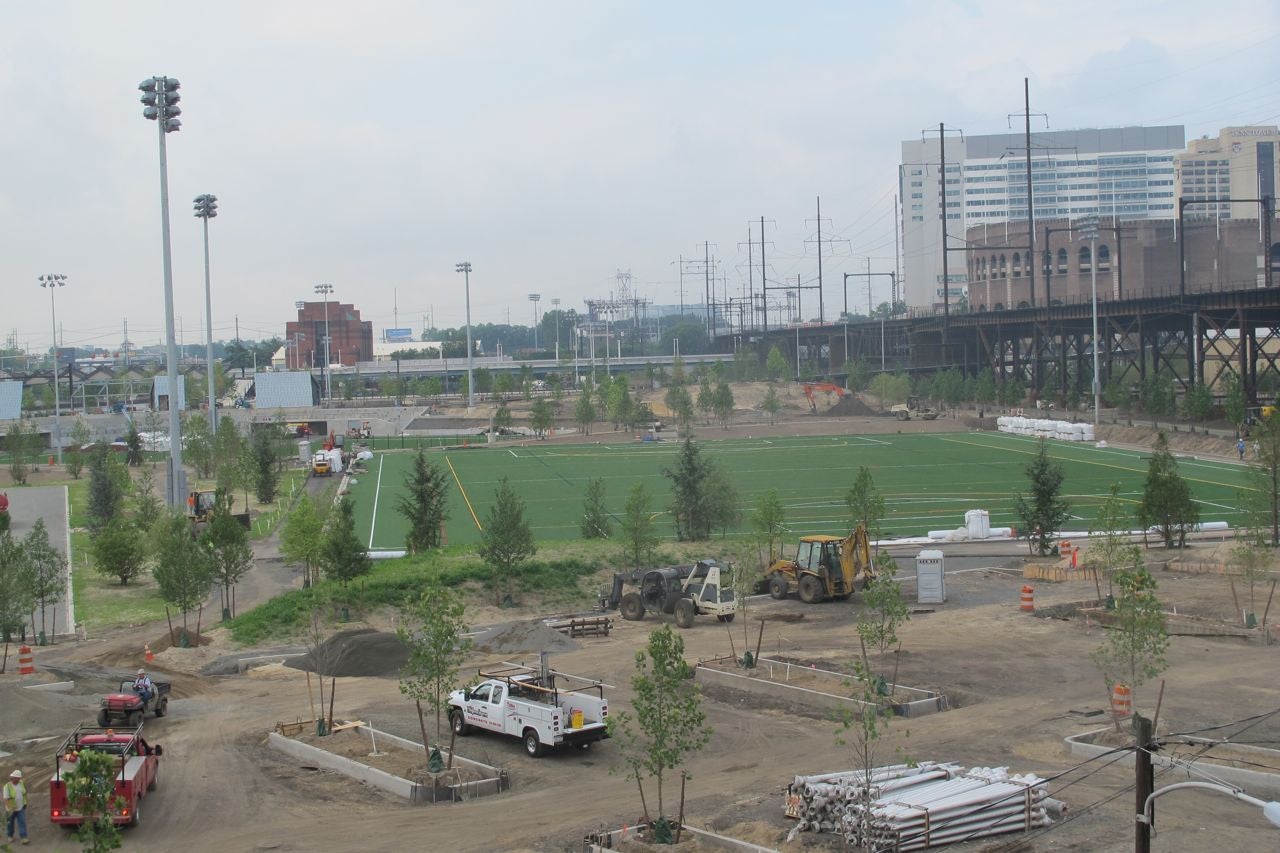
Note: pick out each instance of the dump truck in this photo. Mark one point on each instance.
(682, 591)
(138, 774)
(127, 707)
(527, 703)
(913, 406)
(824, 567)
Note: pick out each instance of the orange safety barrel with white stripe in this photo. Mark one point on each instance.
(1121, 700)
(26, 665)
(1028, 604)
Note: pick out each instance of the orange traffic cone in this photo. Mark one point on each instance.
(150, 655)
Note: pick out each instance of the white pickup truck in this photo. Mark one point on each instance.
(521, 702)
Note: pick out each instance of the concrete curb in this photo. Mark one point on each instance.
(928, 703)
(53, 686)
(604, 842)
(407, 789)
(1251, 780)
(245, 664)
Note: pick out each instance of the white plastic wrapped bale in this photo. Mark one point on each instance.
(1087, 433)
(978, 523)
(1002, 423)
(335, 460)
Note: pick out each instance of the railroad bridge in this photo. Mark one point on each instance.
(1195, 337)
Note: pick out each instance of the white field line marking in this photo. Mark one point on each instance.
(373, 522)
(873, 440)
(512, 452)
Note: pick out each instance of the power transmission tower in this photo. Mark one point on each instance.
(819, 241)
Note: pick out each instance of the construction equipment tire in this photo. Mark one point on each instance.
(134, 719)
(778, 587)
(727, 617)
(904, 416)
(685, 611)
(162, 707)
(810, 590)
(104, 719)
(631, 607)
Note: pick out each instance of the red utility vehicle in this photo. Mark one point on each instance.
(139, 772)
(127, 706)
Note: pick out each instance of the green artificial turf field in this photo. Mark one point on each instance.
(928, 481)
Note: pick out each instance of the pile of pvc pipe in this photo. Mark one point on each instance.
(1045, 428)
(916, 807)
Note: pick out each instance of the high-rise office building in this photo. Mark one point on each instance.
(1126, 172)
(1241, 162)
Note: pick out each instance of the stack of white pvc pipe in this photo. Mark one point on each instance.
(926, 806)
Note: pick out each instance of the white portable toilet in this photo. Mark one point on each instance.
(978, 523)
(931, 582)
(304, 452)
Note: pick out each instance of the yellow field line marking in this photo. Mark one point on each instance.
(1091, 462)
(464, 495)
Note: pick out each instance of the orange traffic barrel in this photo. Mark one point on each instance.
(147, 653)
(1121, 700)
(1028, 604)
(1064, 547)
(25, 664)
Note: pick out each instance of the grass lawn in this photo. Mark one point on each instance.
(928, 480)
(101, 602)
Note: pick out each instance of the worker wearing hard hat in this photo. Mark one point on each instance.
(15, 807)
(142, 686)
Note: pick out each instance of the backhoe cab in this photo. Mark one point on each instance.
(825, 567)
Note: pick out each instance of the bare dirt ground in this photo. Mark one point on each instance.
(1019, 683)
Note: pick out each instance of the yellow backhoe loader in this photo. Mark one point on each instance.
(824, 567)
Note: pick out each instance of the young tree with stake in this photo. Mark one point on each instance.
(302, 538)
(865, 503)
(48, 573)
(1133, 650)
(595, 522)
(666, 722)
(183, 569)
(1044, 511)
(431, 628)
(637, 531)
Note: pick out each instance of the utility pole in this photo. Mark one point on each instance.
(897, 271)
(751, 289)
(820, 300)
(706, 286)
(869, 314)
(764, 283)
(1031, 209)
(1144, 783)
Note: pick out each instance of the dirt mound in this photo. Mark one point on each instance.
(1179, 442)
(524, 638)
(358, 652)
(851, 406)
(40, 713)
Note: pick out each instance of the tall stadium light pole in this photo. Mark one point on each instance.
(1088, 227)
(53, 281)
(206, 208)
(324, 290)
(535, 298)
(465, 269)
(160, 104)
(555, 307)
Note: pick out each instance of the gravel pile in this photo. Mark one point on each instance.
(358, 652)
(523, 638)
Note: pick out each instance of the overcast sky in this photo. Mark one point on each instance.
(373, 145)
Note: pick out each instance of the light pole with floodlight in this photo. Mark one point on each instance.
(555, 307)
(324, 290)
(1088, 227)
(53, 281)
(465, 269)
(535, 298)
(160, 104)
(206, 208)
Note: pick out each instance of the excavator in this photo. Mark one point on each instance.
(824, 567)
(811, 387)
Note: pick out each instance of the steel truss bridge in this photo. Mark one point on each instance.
(1197, 337)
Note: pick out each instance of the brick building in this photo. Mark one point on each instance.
(1141, 259)
(352, 338)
